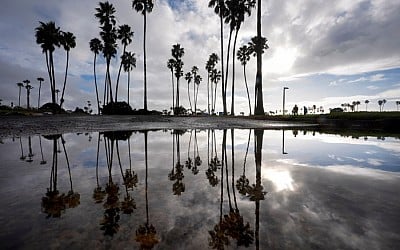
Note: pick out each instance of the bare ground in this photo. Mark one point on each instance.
(57, 124)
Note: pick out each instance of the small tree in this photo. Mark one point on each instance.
(20, 85)
(366, 105)
(28, 92)
(397, 104)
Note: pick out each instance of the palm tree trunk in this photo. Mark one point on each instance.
(194, 95)
(227, 68)
(145, 63)
(195, 103)
(247, 87)
(177, 93)
(28, 92)
(190, 102)
(129, 81)
(109, 80)
(259, 103)
(52, 79)
(49, 71)
(105, 91)
(233, 73)
(95, 84)
(208, 93)
(173, 91)
(222, 64)
(215, 96)
(119, 74)
(65, 80)
(19, 97)
(40, 87)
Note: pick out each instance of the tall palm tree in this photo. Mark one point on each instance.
(397, 104)
(383, 103)
(96, 46)
(171, 66)
(105, 14)
(196, 80)
(243, 55)
(28, 92)
(177, 53)
(221, 10)
(40, 80)
(366, 104)
(48, 36)
(128, 60)
(188, 78)
(144, 6)
(210, 66)
(68, 42)
(20, 85)
(125, 34)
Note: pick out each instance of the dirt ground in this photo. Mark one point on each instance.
(53, 124)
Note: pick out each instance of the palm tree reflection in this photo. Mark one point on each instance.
(146, 234)
(112, 205)
(55, 203)
(176, 173)
(23, 156)
(214, 163)
(231, 225)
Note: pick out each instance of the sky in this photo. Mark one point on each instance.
(326, 52)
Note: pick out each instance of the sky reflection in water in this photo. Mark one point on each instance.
(287, 190)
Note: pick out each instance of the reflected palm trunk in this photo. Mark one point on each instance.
(98, 193)
(233, 168)
(30, 154)
(43, 161)
(242, 184)
(22, 157)
(258, 194)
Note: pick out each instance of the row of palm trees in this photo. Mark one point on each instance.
(26, 84)
(354, 105)
(49, 36)
(230, 12)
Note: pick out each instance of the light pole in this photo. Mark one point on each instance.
(284, 89)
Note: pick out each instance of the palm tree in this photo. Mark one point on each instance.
(40, 79)
(210, 66)
(171, 66)
(243, 55)
(48, 36)
(221, 10)
(28, 92)
(188, 78)
(128, 60)
(397, 104)
(96, 46)
(144, 6)
(177, 53)
(68, 42)
(20, 85)
(125, 35)
(380, 103)
(366, 104)
(105, 13)
(196, 80)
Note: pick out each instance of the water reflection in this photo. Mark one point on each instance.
(225, 189)
(55, 203)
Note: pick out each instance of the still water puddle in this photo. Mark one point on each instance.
(200, 189)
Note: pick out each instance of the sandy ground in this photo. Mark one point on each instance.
(52, 124)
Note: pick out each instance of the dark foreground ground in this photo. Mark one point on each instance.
(358, 124)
